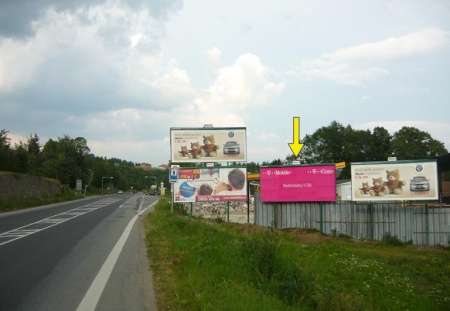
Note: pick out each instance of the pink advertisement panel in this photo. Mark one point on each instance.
(315, 183)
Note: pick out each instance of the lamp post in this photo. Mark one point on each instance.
(102, 181)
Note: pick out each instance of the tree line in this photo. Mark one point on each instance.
(68, 159)
(338, 143)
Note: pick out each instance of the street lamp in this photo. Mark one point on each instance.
(102, 181)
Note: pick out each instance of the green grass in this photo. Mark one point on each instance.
(205, 265)
(67, 194)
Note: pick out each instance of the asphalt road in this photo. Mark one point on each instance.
(84, 255)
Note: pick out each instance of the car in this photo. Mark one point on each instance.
(419, 183)
(120, 192)
(152, 193)
(231, 147)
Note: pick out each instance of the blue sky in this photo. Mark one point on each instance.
(121, 73)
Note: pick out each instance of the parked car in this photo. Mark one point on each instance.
(152, 193)
(231, 147)
(120, 192)
(419, 183)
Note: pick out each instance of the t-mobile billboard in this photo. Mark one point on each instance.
(312, 183)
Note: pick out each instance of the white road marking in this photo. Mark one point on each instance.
(52, 221)
(92, 296)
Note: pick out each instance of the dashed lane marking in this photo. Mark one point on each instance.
(52, 221)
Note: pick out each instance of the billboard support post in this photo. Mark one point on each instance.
(228, 211)
(427, 228)
(370, 222)
(173, 196)
(321, 218)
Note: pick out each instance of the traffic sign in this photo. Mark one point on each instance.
(173, 176)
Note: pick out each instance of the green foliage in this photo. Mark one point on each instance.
(67, 194)
(202, 265)
(336, 143)
(68, 159)
(410, 143)
(394, 240)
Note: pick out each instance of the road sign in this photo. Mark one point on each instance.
(173, 176)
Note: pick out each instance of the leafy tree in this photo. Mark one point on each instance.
(19, 161)
(380, 148)
(34, 149)
(326, 145)
(409, 143)
(5, 151)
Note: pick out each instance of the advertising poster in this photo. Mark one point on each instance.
(311, 183)
(394, 180)
(208, 145)
(211, 185)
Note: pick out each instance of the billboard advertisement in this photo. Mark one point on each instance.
(394, 180)
(196, 145)
(311, 183)
(211, 185)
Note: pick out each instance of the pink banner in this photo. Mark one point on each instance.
(315, 183)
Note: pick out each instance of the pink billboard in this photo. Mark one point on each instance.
(313, 183)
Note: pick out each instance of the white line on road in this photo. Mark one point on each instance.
(94, 292)
(52, 221)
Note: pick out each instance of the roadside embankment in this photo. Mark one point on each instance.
(22, 186)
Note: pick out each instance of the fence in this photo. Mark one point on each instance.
(421, 224)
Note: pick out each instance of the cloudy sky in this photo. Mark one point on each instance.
(122, 73)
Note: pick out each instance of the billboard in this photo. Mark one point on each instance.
(394, 180)
(311, 183)
(211, 185)
(196, 145)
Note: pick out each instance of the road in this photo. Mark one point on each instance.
(83, 255)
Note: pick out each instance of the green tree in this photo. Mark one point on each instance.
(34, 149)
(66, 160)
(19, 159)
(326, 145)
(5, 151)
(380, 148)
(409, 143)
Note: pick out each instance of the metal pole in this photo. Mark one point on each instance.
(228, 211)
(371, 221)
(427, 228)
(173, 197)
(321, 218)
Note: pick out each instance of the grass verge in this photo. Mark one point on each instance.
(67, 194)
(205, 265)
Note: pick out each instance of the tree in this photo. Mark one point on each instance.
(380, 148)
(5, 151)
(326, 145)
(34, 149)
(409, 143)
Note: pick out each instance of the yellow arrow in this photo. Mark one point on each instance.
(296, 146)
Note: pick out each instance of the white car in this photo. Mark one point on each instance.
(120, 192)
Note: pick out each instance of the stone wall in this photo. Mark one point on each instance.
(22, 186)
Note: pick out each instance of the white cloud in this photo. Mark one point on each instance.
(244, 84)
(357, 64)
(213, 55)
